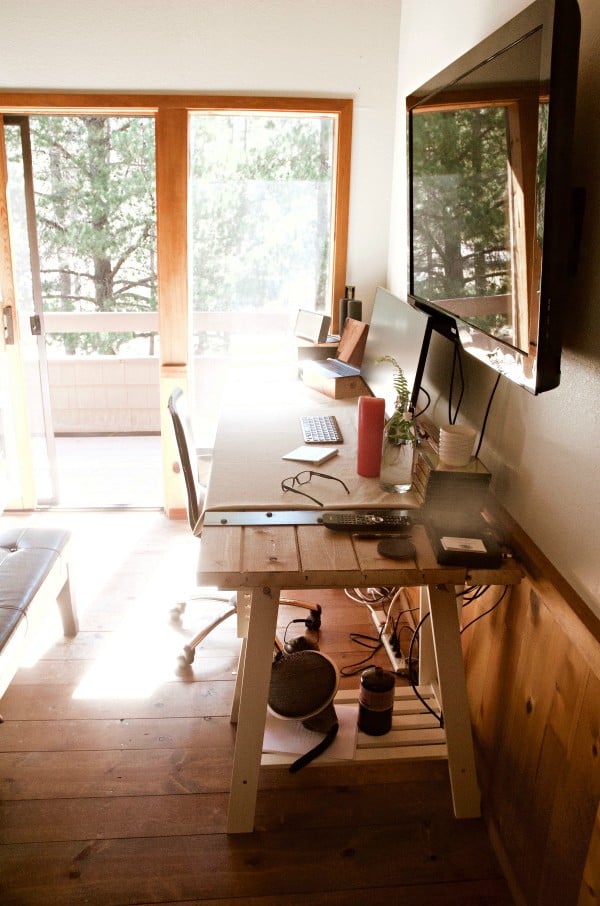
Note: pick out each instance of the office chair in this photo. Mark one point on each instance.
(195, 502)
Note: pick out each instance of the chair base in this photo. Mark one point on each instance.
(188, 654)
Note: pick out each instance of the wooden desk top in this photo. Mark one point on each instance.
(246, 475)
(311, 556)
(253, 436)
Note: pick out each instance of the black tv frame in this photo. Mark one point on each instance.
(538, 369)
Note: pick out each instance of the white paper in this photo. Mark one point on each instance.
(292, 738)
(308, 453)
(472, 545)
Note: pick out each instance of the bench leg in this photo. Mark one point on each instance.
(66, 606)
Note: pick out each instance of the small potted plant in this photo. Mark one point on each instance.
(399, 437)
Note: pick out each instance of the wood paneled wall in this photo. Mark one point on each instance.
(533, 675)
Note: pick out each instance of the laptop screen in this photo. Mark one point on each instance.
(399, 330)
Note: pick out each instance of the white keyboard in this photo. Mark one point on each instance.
(320, 429)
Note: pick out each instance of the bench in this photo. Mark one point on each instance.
(34, 571)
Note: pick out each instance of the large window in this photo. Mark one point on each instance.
(261, 197)
(250, 218)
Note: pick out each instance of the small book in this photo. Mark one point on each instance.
(312, 454)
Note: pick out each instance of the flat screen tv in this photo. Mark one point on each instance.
(490, 192)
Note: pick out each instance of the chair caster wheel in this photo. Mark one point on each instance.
(176, 612)
(187, 658)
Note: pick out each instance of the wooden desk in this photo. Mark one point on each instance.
(264, 559)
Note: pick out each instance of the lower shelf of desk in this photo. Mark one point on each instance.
(415, 733)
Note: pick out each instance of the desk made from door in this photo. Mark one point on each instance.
(263, 559)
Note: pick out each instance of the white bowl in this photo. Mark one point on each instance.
(456, 445)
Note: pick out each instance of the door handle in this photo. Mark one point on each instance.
(8, 325)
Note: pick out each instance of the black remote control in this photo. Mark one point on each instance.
(359, 521)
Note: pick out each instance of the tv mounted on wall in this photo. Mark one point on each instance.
(490, 193)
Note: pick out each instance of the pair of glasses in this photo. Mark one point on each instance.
(289, 484)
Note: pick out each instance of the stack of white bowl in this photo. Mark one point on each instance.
(456, 445)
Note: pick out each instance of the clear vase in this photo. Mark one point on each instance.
(398, 454)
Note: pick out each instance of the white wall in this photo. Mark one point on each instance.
(341, 48)
(544, 451)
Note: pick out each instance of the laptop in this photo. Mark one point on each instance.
(350, 351)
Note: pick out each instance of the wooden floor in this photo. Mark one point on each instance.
(114, 771)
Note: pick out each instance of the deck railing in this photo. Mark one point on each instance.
(105, 394)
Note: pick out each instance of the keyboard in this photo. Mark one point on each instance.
(341, 369)
(320, 429)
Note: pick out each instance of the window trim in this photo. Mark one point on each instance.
(171, 113)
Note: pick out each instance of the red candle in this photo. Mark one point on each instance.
(371, 419)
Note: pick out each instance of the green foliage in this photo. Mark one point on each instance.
(399, 381)
(261, 188)
(399, 428)
(94, 182)
(461, 203)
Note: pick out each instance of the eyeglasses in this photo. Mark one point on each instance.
(288, 484)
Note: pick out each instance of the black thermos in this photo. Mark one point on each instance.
(376, 701)
(354, 307)
(345, 303)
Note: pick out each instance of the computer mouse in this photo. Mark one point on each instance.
(396, 548)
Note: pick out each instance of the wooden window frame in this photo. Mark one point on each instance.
(171, 113)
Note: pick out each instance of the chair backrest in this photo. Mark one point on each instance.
(188, 458)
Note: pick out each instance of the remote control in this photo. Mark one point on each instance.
(358, 521)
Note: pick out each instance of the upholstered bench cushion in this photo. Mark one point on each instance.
(26, 558)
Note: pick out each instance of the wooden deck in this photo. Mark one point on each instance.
(114, 771)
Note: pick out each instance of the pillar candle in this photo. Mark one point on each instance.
(371, 419)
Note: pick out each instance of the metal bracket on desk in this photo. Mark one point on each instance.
(263, 517)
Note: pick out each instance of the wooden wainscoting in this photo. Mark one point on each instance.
(533, 674)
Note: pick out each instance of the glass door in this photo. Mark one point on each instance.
(16, 462)
(82, 213)
(29, 308)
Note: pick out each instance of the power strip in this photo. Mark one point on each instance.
(399, 663)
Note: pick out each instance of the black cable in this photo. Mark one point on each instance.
(475, 593)
(487, 412)
(455, 358)
(397, 628)
(425, 407)
(426, 705)
(485, 612)
(356, 667)
(318, 750)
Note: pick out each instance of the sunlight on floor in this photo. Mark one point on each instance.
(142, 654)
(128, 570)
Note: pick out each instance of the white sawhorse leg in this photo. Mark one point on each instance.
(251, 715)
(449, 672)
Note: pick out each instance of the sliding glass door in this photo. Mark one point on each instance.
(171, 230)
(82, 216)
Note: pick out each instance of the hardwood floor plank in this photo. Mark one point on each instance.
(469, 893)
(124, 870)
(176, 699)
(128, 733)
(156, 772)
(55, 820)
(114, 771)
